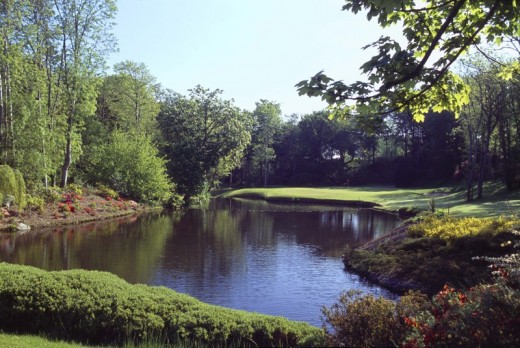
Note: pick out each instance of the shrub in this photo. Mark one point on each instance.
(35, 203)
(106, 192)
(130, 163)
(486, 315)
(100, 308)
(51, 194)
(450, 228)
(20, 193)
(7, 182)
(75, 189)
(362, 321)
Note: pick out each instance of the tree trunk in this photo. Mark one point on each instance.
(484, 159)
(68, 155)
(2, 116)
(471, 164)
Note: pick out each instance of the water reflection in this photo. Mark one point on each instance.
(129, 247)
(281, 259)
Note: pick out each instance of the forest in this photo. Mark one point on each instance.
(64, 119)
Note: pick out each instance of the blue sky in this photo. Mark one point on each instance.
(251, 49)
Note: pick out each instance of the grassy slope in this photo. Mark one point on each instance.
(496, 201)
(24, 341)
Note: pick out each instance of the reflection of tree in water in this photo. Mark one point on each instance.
(127, 247)
(200, 251)
(206, 242)
(331, 231)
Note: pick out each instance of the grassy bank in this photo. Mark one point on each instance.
(24, 341)
(433, 252)
(497, 200)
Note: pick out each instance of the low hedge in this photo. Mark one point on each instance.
(101, 308)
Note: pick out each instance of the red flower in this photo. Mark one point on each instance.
(410, 322)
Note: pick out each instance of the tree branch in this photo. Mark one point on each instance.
(415, 72)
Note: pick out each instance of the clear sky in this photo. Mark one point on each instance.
(251, 49)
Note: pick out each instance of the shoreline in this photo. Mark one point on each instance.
(325, 201)
(397, 285)
(81, 209)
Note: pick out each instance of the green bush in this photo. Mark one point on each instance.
(20, 193)
(74, 188)
(100, 308)
(7, 182)
(12, 184)
(130, 163)
(35, 203)
(367, 321)
(105, 191)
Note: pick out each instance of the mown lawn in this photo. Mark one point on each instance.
(25, 341)
(497, 200)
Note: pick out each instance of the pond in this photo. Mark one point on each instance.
(279, 259)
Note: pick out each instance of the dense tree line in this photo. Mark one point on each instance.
(63, 119)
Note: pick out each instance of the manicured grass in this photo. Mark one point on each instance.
(24, 341)
(497, 200)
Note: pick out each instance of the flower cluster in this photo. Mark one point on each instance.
(481, 316)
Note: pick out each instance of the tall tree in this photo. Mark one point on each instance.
(26, 87)
(129, 97)
(480, 119)
(267, 123)
(205, 138)
(86, 37)
(413, 77)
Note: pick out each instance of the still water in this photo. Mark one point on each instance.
(279, 259)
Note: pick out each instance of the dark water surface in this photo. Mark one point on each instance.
(279, 259)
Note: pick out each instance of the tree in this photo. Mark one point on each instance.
(267, 123)
(128, 97)
(204, 138)
(28, 89)
(413, 77)
(85, 30)
(480, 120)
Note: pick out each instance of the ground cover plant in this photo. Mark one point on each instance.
(100, 308)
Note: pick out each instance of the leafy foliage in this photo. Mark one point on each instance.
(486, 315)
(127, 99)
(205, 138)
(266, 126)
(402, 78)
(12, 184)
(131, 164)
(367, 321)
(362, 321)
(449, 228)
(101, 308)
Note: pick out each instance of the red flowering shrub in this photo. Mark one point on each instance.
(485, 315)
